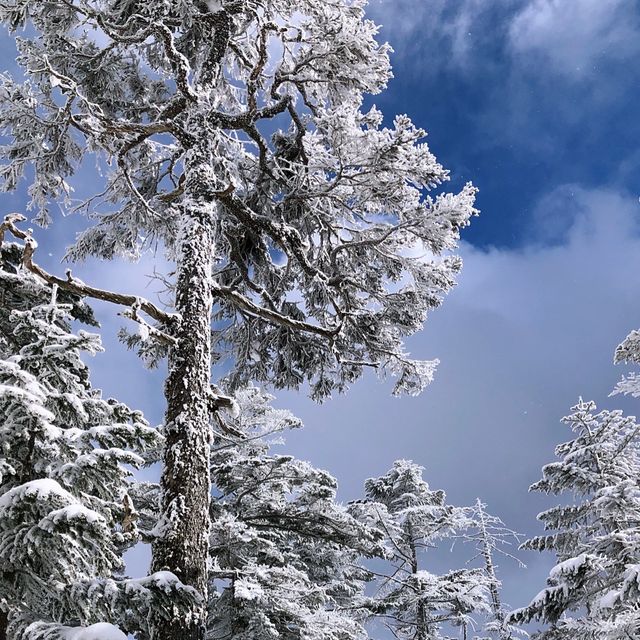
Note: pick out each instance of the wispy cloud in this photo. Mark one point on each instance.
(438, 34)
(574, 37)
(537, 72)
(572, 213)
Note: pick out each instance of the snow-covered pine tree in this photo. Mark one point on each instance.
(595, 534)
(412, 602)
(18, 292)
(231, 132)
(284, 554)
(67, 500)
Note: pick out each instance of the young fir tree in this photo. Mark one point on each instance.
(284, 553)
(231, 132)
(18, 292)
(412, 602)
(595, 536)
(67, 501)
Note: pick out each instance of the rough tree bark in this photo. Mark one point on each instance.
(183, 549)
(422, 625)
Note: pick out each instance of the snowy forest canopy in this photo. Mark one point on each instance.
(308, 237)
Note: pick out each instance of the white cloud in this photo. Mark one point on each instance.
(435, 33)
(540, 71)
(575, 36)
(572, 37)
(571, 212)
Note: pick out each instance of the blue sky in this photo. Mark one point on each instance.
(536, 102)
(520, 97)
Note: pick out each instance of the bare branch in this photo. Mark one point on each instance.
(179, 63)
(72, 284)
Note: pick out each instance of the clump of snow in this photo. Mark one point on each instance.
(608, 600)
(163, 580)
(99, 631)
(143, 332)
(572, 565)
(234, 409)
(247, 590)
(68, 514)
(42, 489)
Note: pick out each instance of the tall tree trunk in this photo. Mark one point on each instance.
(184, 547)
(422, 625)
